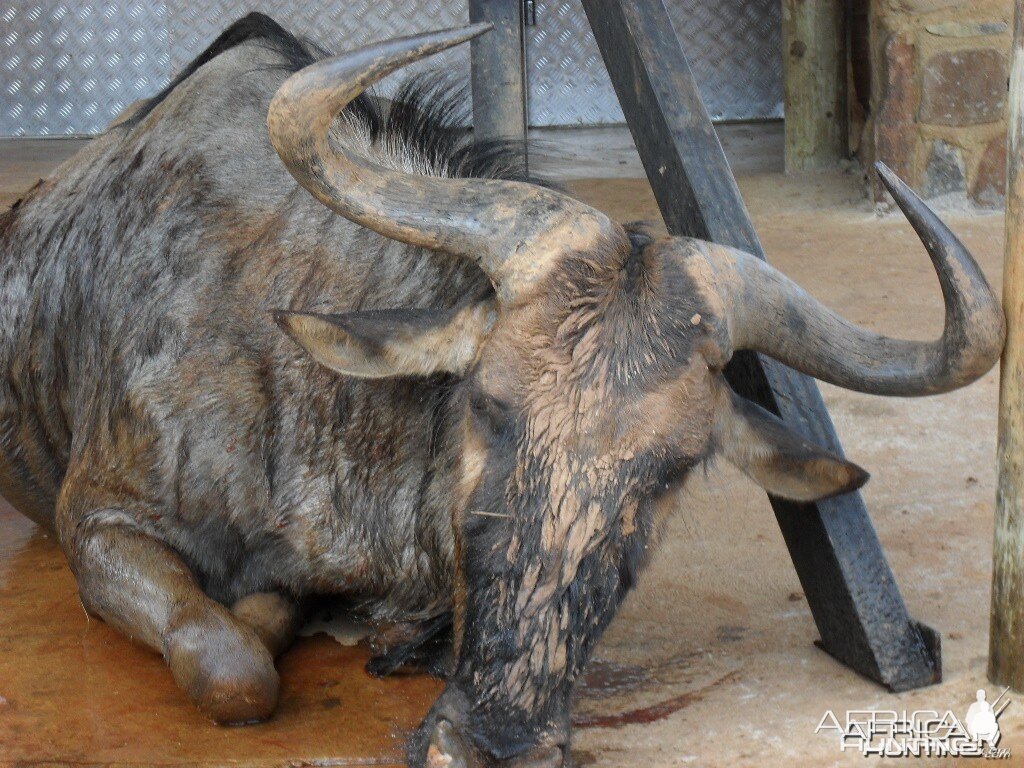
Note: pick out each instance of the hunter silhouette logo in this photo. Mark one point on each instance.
(982, 718)
(922, 732)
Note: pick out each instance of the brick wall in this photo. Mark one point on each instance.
(939, 71)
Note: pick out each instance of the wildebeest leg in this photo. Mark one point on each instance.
(275, 617)
(137, 584)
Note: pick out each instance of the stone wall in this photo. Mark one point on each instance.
(939, 73)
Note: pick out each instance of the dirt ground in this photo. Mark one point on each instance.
(710, 663)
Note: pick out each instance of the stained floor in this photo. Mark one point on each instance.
(710, 662)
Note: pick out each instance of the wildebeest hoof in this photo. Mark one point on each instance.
(226, 671)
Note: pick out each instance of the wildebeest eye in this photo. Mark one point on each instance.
(493, 413)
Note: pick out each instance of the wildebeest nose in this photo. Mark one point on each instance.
(447, 749)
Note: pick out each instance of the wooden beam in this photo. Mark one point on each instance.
(850, 589)
(1006, 635)
(499, 72)
(814, 77)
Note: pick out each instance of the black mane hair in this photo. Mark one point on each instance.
(254, 26)
(428, 113)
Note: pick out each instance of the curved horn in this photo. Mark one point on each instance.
(513, 231)
(769, 313)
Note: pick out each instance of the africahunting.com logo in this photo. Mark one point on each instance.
(922, 733)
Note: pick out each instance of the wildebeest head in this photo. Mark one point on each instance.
(591, 382)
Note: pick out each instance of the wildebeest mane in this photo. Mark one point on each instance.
(426, 116)
(254, 26)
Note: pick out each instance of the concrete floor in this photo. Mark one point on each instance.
(710, 662)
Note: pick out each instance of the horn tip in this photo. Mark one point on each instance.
(886, 173)
(458, 35)
(896, 186)
(442, 39)
(479, 28)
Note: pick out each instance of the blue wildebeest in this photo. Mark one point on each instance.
(494, 390)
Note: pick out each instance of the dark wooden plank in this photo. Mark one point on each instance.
(498, 72)
(857, 606)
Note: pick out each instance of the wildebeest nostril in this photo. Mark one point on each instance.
(544, 757)
(447, 749)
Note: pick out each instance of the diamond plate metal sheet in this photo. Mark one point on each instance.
(335, 25)
(71, 67)
(733, 46)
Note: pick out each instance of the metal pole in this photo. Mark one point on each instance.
(499, 72)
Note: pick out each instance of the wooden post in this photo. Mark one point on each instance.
(1006, 635)
(814, 73)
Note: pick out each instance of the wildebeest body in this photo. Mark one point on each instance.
(136, 324)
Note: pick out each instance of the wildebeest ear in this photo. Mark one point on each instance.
(383, 343)
(778, 459)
